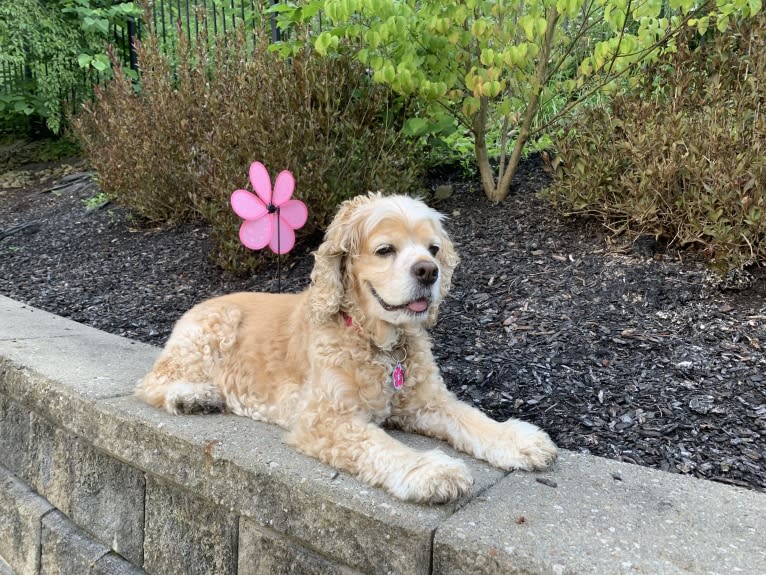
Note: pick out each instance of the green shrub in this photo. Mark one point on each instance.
(49, 51)
(174, 147)
(684, 156)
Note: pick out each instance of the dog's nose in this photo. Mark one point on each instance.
(425, 272)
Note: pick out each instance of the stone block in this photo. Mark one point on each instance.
(15, 450)
(27, 443)
(111, 564)
(107, 365)
(23, 321)
(263, 552)
(66, 549)
(21, 514)
(597, 516)
(100, 494)
(38, 464)
(186, 534)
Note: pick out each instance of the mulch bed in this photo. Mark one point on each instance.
(615, 348)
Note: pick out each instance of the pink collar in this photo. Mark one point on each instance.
(347, 319)
(397, 376)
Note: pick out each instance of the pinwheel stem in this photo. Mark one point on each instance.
(279, 250)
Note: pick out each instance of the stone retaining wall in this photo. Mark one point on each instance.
(94, 481)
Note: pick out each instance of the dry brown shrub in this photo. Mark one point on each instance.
(175, 146)
(684, 156)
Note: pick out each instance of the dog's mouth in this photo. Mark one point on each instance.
(416, 306)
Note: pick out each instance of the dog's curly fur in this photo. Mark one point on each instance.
(320, 363)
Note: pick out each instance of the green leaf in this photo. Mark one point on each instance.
(702, 25)
(647, 9)
(542, 26)
(284, 49)
(84, 60)
(527, 24)
(389, 72)
(416, 127)
(99, 25)
(281, 7)
(443, 125)
(323, 43)
(487, 57)
(101, 62)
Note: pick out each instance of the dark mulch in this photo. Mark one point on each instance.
(614, 349)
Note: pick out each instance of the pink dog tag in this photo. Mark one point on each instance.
(398, 376)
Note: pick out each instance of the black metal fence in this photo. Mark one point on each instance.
(195, 19)
(206, 18)
(12, 75)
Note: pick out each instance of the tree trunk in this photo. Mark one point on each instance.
(498, 191)
(479, 129)
(504, 186)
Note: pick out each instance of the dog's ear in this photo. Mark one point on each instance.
(448, 260)
(328, 282)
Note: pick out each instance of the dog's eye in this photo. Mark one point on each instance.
(434, 250)
(385, 250)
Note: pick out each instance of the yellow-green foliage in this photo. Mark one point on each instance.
(175, 147)
(496, 67)
(683, 157)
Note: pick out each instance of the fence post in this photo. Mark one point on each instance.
(132, 36)
(275, 35)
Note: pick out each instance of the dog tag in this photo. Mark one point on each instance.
(398, 376)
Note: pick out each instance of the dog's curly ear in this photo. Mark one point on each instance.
(328, 283)
(448, 260)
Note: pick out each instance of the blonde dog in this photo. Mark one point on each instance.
(351, 352)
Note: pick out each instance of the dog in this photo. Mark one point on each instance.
(351, 353)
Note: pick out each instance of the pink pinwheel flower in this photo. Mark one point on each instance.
(270, 218)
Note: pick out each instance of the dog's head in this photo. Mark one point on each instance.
(384, 258)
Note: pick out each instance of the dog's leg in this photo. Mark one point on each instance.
(430, 409)
(181, 379)
(348, 442)
(181, 396)
(178, 387)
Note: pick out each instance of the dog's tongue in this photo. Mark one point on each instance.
(418, 306)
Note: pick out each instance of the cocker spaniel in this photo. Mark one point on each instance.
(351, 352)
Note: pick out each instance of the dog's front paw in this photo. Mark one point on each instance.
(434, 478)
(522, 445)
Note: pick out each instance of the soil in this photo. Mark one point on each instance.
(616, 348)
